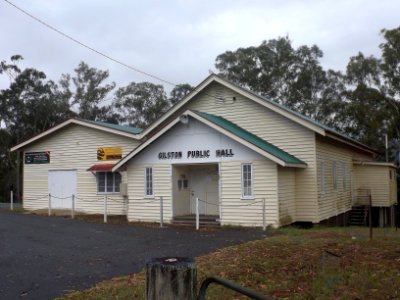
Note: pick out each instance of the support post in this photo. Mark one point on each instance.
(370, 216)
(197, 214)
(12, 200)
(105, 208)
(171, 278)
(161, 212)
(73, 207)
(263, 215)
(49, 204)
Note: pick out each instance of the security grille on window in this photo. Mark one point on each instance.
(247, 181)
(108, 182)
(149, 182)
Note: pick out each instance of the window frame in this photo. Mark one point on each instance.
(344, 176)
(251, 195)
(148, 184)
(322, 181)
(334, 176)
(114, 186)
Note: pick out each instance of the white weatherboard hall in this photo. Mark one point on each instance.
(66, 160)
(247, 159)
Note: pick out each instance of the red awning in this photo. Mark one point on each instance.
(101, 167)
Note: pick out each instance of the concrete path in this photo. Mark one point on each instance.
(44, 257)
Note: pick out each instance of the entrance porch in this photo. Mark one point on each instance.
(195, 181)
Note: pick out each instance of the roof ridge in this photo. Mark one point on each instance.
(125, 128)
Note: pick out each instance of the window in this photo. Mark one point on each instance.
(322, 177)
(183, 183)
(247, 181)
(108, 182)
(149, 182)
(344, 175)
(334, 175)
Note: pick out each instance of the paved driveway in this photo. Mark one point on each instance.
(44, 257)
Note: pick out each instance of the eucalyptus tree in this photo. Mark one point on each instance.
(88, 93)
(140, 104)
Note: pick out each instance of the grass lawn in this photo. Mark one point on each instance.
(318, 263)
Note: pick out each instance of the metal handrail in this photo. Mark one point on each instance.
(230, 285)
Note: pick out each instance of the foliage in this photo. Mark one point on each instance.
(140, 104)
(293, 77)
(90, 90)
(178, 92)
(319, 263)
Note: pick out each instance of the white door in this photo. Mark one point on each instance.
(204, 185)
(62, 185)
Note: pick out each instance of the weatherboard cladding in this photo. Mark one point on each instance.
(286, 195)
(236, 211)
(376, 178)
(73, 148)
(252, 138)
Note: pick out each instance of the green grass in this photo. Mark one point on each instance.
(293, 264)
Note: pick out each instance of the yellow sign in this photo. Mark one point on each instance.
(109, 153)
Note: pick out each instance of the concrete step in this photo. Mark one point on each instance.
(190, 220)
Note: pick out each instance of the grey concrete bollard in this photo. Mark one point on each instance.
(171, 278)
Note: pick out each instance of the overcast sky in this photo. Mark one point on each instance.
(179, 40)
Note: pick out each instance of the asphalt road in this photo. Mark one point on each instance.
(45, 257)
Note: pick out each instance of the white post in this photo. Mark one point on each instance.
(263, 215)
(73, 207)
(105, 208)
(197, 214)
(11, 200)
(161, 212)
(49, 204)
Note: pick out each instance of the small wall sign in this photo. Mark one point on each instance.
(37, 157)
(109, 153)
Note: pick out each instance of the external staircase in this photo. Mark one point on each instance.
(358, 216)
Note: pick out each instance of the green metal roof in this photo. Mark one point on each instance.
(124, 128)
(252, 138)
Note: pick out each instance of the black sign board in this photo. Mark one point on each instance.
(37, 157)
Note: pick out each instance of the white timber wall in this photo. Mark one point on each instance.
(287, 195)
(377, 179)
(246, 212)
(331, 201)
(147, 209)
(334, 201)
(274, 128)
(73, 148)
